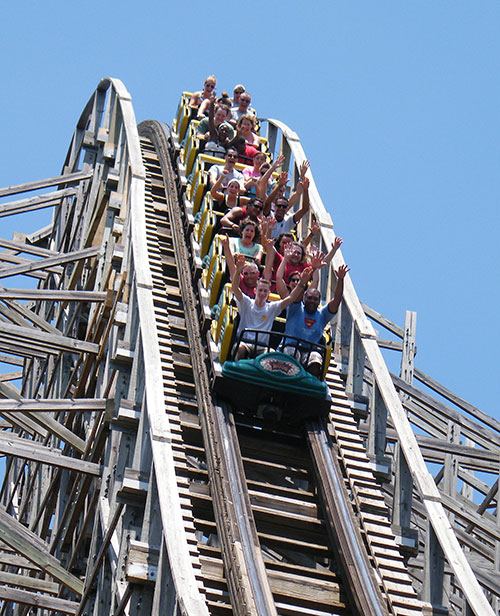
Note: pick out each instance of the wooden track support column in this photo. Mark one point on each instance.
(403, 482)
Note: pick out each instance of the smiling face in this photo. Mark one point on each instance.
(233, 187)
(231, 158)
(251, 275)
(248, 233)
(244, 102)
(259, 160)
(262, 292)
(280, 208)
(296, 254)
(220, 115)
(255, 207)
(312, 300)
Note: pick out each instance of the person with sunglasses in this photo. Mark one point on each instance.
(284, 222)
(217, 170)
(230, 222)
(243, 108)
(306, 320)
(201, 100)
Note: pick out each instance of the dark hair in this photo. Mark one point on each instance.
(280, 237)
(249, 221)
(301, 249)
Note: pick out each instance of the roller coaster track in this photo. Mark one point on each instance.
(130, 488)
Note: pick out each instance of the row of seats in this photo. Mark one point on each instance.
(214, 283)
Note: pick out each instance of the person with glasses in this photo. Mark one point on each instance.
(232, 173)
(306, 321)
(201, 100)
(230, 222)
(284, 222)
(243, 107)
(237, 92)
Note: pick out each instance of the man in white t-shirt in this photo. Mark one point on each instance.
(258, 313)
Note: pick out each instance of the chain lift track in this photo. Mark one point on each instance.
(129, 488)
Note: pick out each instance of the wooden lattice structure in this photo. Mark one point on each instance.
(130, 489)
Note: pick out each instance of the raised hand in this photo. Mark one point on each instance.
(338, 243)
(303, 169)
(342, 271)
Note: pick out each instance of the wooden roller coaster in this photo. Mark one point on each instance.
(131, 488)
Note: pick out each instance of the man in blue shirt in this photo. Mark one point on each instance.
(307, 321)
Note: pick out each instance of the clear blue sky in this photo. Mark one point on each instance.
(396, 103)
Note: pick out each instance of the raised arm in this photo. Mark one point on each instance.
(215, 191)
(261, 186)
(313, 230)
(240, 262)
(268, 245)
(280, 274)
(305, 201)
(336, 245)
(334, 304)
(228, 254)
(282, 180)
(211, 123)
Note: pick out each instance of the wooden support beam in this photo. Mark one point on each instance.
(35, 203)
(37, 600)
(55, 295)
(29, 545)
(53, 404)
(23, 247)
(54, 181)
(30, 450)
(42, 264)
(43, 341)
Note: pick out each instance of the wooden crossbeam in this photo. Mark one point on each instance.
(29, 545)
(42, 601)
(42, 264)
(25, 581)
(8, 359)
(53, 404)
(53, 295)
(35, 203)
(67, 178)
(31, 450)
(43, 341)
(11, 376)
(27, 248)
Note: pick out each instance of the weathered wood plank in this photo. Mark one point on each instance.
(42, 264)
(55, 295)
(35, 203)
(54, 181)
(53, 404)
(45, 341)
(37, 600)
(29, 545)
(30, 450)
